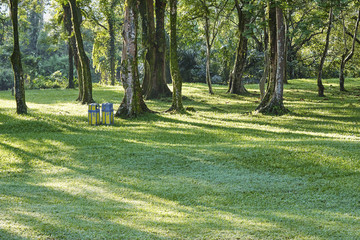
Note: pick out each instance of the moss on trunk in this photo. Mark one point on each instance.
(177, 105)
(86, 96)
(132, 104)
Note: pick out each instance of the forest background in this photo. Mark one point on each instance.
(45, 50)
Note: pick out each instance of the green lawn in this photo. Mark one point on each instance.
(217, 173)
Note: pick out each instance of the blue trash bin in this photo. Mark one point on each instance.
(107, 113)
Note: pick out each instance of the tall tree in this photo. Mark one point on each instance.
(35, 18)
(303, 23)
(108, 9)
(272, 103)
(132, 103)
(236, 85)
(71, 51)
(320, 85)
(177, 105)
(84, 60)
(212, 24)
(266, 58)
(21, 107)
(149, 44)
(348, 54)
(154, 84)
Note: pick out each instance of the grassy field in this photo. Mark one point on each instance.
(217, 173)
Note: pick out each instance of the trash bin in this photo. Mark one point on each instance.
(94, 114)
(107, 113)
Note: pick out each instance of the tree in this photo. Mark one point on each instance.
(320, 85)
(236, 85)
(154, 84)
(303, 23)
(266, 58)
(84, 60)
(149, 45)
(35, 18)
(209, 14)
(177, 105)
(108, 9)
(21, 107)
(272, 103)
(132, 103)
(348, 54)
(71, 46)
(211, 31)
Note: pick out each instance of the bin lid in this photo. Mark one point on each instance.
(107, 107)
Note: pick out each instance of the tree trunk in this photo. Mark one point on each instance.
(149, 44)
(274, 104)
(237, 85)
(68, 28)
(272, 57)
(266, 61)
(111, 23)
(208, 54)
(84, 60)
(72, 41)
(348, 55)
(157, 87)
(21, 107)
(71, 66)
(286, 30)
(35, 17)
(133, 103)
(177, 105)
(323, 57)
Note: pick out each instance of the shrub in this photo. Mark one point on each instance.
(6, 79)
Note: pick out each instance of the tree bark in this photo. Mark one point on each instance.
(157, 87)
(265, 75)
(86, 97)
(177, 105)
(71, 66)
(149, 44)
(133, 103)
(208, 54)
(68, 28)
(21, 107)
(321, 87)
(111, 23)
(236, 85)
(72, 41)
(272, 56)
(274, 101)
(347, 55)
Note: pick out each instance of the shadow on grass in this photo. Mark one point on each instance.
(201, 175)
(159, 177)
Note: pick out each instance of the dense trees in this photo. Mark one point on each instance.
(268, 43)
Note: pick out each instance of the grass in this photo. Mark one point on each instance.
(218, 173)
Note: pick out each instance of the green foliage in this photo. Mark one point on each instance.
(6, 79)
(55, 80)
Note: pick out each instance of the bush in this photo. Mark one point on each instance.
(6, 79)
(55, 80)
